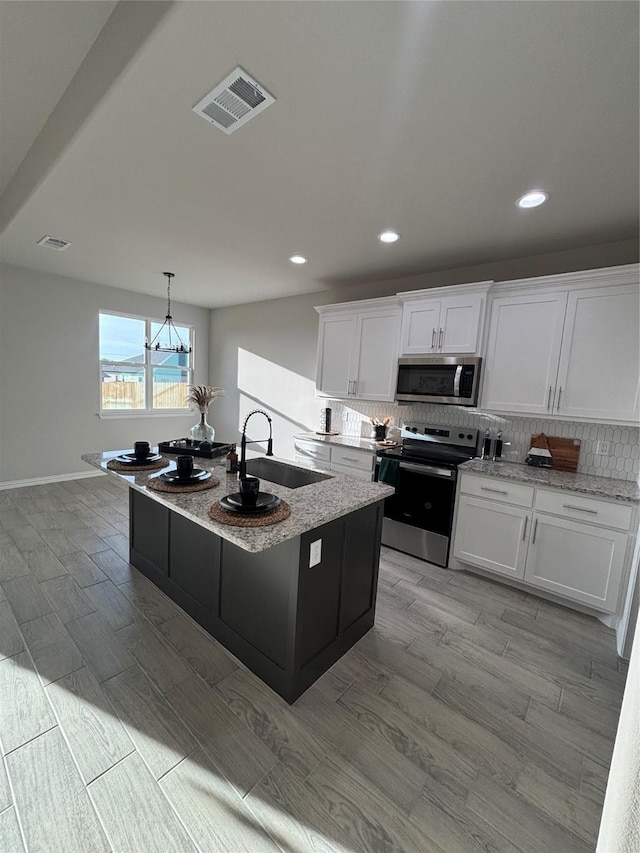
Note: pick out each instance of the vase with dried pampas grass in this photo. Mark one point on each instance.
(200, 397)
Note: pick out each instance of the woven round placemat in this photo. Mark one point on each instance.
(158, 485)
(114, 465)
(273, 516)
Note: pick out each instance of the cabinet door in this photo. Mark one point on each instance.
(336, 349)
(150, 531)
(491, 536)
(599, 372)
(521, 367)
(377, 355)
(577, 561)
(359, 566)
(460, 324)
(353, 472)
(420, 324)
(194, 560)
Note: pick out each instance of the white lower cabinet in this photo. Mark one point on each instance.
(324, 456)
(492, 535)
(576, 560)
(545, 547)
(312, 454)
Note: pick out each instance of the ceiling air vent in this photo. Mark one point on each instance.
(234, 102)
(54, 243)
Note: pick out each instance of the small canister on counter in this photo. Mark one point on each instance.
(232, 461)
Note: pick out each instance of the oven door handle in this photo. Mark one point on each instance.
(428, 470)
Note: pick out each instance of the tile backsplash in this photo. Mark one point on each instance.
(623, 461)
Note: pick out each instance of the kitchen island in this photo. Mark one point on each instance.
(287, 612)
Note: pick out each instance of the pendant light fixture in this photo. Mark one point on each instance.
(167, 326)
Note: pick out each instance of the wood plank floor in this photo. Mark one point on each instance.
(473, 717)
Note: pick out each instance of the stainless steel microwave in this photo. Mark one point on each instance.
(454, 381)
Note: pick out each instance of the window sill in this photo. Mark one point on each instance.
(170, 413)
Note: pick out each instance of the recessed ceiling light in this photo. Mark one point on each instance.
(298, 259)
(534, 198)
(388, 236)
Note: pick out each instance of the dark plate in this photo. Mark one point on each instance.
(264, 499)
(197, 475)
(264, 503)
(132, 459)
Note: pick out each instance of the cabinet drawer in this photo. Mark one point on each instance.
(312, 449)
(589, 510)
(497, 490)
(310, 462)
(352, 458)
(353, 472)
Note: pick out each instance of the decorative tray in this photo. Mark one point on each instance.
(187, 447)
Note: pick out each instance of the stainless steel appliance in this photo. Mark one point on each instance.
(418, 517)
(439, 380)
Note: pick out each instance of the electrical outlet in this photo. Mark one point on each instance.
(602, 448)
(315, 553)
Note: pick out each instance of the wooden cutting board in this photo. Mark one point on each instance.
(565, 452)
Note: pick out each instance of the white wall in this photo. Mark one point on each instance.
(264, 353)
(49, 376)
(620, 823)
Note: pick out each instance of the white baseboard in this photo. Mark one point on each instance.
(55, 478)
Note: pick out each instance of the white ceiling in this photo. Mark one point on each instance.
(428, 117)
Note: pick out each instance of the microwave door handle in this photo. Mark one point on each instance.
(456, 381)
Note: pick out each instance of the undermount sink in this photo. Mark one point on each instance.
(283, 474)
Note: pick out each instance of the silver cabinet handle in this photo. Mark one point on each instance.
(549, 399)
(355, 385)
(433, 339)
(348, 387)
(349, 459)
(535, 528)
(440, 339)
(497, 491)
(580, 508)
(524, 532)
(559, 395)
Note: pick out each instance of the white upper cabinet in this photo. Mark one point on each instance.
(571, 350)
(525, 335)
(358, 350)
(420, 324)
(600, 359)
(377, 351)
(336, 354)
(447, 323)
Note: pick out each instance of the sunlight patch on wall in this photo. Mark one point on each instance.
(288, 397)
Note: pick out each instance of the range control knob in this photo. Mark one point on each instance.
(460, 435)
(470, 437)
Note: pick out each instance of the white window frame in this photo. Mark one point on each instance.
(147, 366)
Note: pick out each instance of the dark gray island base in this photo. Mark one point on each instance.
(286, 621)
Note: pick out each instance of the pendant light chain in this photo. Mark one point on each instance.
(168, 323)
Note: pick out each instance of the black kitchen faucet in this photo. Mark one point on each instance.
(244, 442)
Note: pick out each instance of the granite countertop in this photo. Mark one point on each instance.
(345, 440)
(588, 484)
(311, 506)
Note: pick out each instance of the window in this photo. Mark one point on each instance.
(134, 379)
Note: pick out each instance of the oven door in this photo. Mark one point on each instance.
(418, 517)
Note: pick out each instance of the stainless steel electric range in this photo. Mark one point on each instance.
(418, 518)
